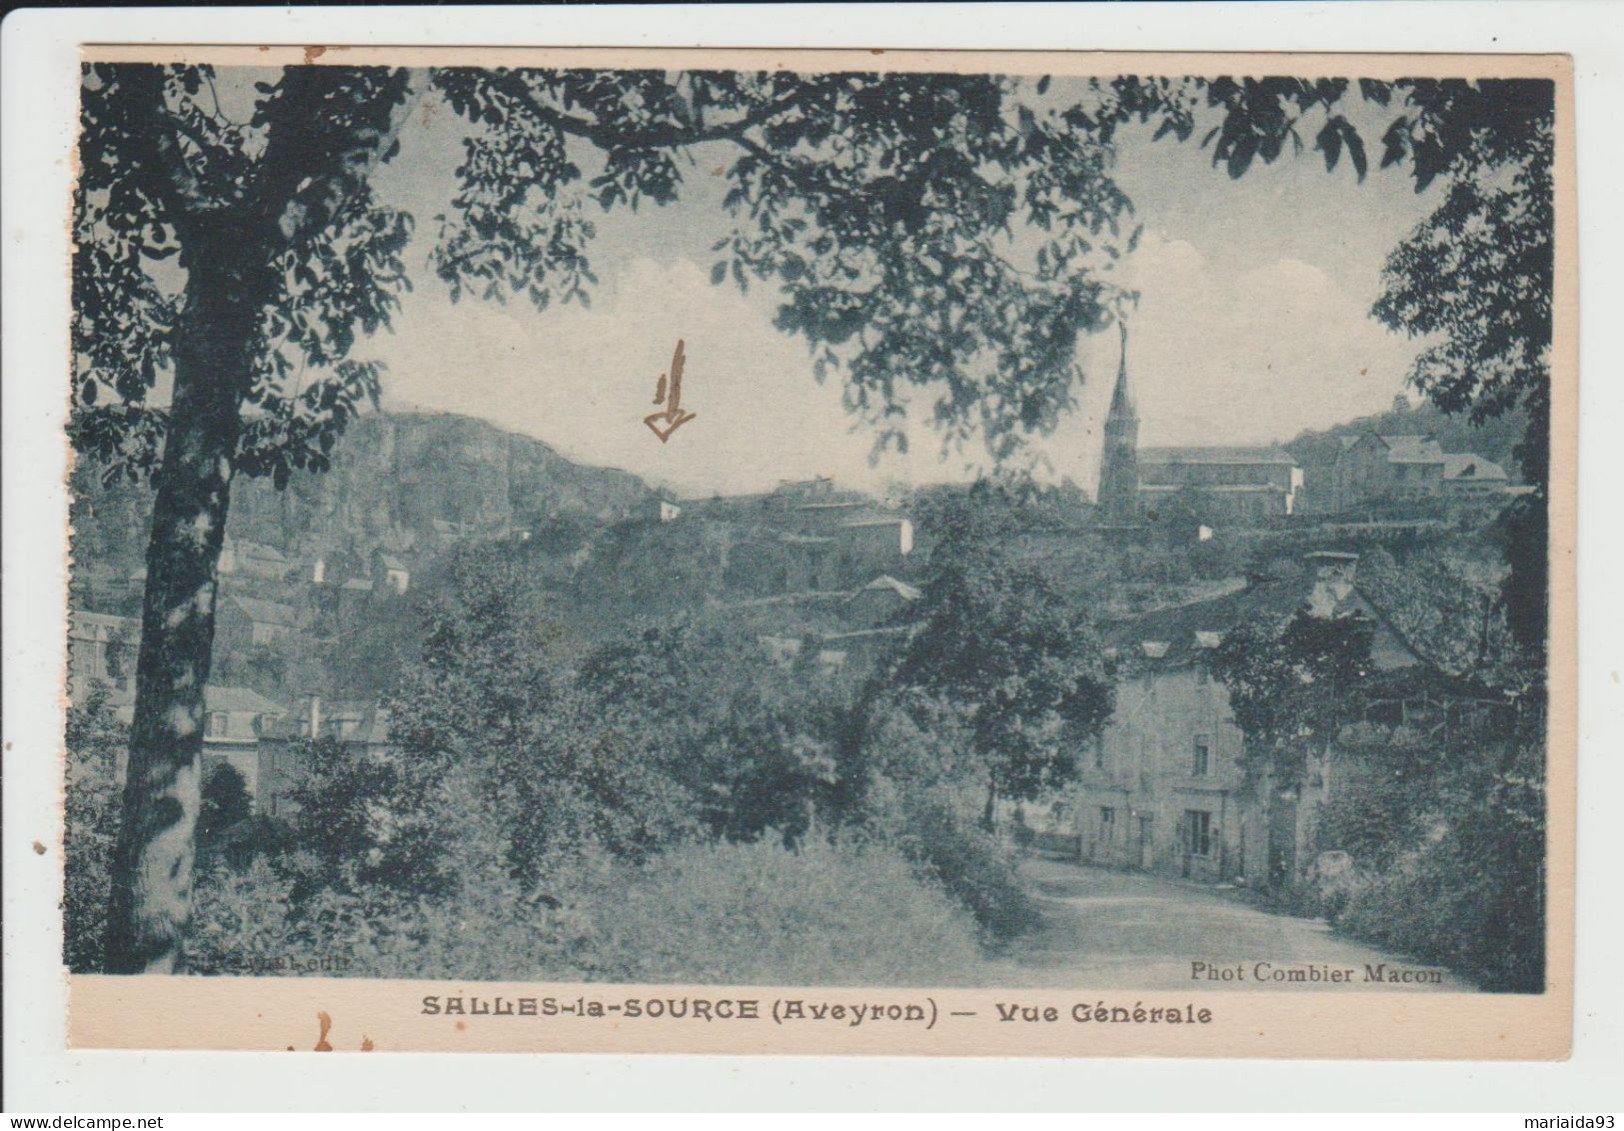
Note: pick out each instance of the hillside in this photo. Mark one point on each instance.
(409, 483)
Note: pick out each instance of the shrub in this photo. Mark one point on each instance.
(972, 865)
(1471, 896)
(826, 913)
(250, 920)
(922, 797)
(845, 912)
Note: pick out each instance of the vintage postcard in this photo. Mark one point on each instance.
(822, 552)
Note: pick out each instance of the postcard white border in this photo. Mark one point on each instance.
(39, 51)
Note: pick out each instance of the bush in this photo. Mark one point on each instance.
(923, 796)
(828, 913)
(971, 864)
(1472, 895)
(250, 920)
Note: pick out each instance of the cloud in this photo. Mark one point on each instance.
(1252, 356)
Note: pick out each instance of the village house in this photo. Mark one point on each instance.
(253, 559)
(102, 651)
(1473, 475)
(1165, 788)
(389, 573)
(1374, 467)
(355, 723)
(881, 601)
(244, 623)
(234, 718)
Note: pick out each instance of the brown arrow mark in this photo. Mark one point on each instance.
(662, 424)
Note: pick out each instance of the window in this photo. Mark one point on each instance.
(1197, 832)
(1201, 757)
(1107, 823)
(216, 724)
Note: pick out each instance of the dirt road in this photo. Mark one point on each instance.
(1117, 930)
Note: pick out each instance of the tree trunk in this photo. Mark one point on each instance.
(989, 815)
(152, 863)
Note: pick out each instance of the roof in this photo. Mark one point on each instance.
(360, 583)
(885, 582)
(217, 698)
(82, 618)
(1469, 466)
(897, 520)
(389, 561)
(1212, 488)
(1412, 449)
(266, 612)
(837, 505)
(244, 548)
(1270, 454)
(1181, 632)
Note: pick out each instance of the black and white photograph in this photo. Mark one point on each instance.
(727, 522)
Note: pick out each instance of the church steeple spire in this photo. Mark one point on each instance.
(1118, 495)
(1121, 400)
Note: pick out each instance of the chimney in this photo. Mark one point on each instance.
(1333, 581)
(318, 571)
(315, 715)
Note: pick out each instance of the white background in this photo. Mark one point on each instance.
(39, 66)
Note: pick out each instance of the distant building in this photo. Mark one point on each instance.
(234, 718)
(1165, 787)
(1218, 483)
(1373, 466)
(244, 623)
(829, 540)
(1221, 482)
(357, 724)
(881, 601)
(1472, 475)
(253, 559)
(389, 573)
(102, 651)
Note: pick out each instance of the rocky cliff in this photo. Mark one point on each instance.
(404, 482)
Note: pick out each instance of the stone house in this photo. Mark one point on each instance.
(234, 721)
(102, 650)
(389, 573)
(1468, 474)
(1165, 788)
(356, 723)
(253, 559)
(244, 623)
(1374, 466)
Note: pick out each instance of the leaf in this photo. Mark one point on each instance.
(718, 273)
(1356, 148)
(1329, 142)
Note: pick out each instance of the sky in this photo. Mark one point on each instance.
(1253, 324)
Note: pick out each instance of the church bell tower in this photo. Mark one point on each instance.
(1118, 495)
